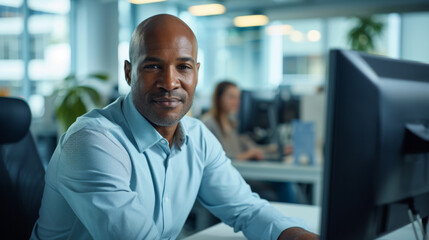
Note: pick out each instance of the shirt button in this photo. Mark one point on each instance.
(164, 141)
(166, 199)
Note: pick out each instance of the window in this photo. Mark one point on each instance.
(11, 64)
(34, 48)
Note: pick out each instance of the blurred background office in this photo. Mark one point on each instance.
(66, 56)
(45, 43)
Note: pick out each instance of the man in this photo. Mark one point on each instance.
(134, 169)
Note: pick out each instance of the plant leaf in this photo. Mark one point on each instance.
(73, 98)
(362, 36)
(92, 93)
(100, 76)
(70, 77)
(71, 108)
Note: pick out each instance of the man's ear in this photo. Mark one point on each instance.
(127, 70)
(198, 72)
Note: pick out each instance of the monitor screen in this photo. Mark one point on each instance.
(377, 154)
(288, 105)
(258, 109)
(267, 108)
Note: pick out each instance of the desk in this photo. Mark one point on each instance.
(311, 214)
(282, 172)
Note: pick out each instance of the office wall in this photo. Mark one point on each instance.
(415, 36)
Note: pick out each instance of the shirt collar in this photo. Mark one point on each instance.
(181, 135)
(143, 132)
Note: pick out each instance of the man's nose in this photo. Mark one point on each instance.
(170, 79)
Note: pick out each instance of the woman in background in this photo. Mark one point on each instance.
(220, 121)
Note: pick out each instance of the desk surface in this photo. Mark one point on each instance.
(278, 171)
(311, 214)
(282, 172)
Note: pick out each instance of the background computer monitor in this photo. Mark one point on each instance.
(266, 109)
(377, 161)
(258, 109)
(288, 105)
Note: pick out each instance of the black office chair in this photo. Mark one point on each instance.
(21, 171)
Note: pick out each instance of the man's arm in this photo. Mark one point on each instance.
(224, 192)
(94, 174)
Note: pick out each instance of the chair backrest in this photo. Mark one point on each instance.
(21, 171)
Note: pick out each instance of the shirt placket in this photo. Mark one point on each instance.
(166, 201)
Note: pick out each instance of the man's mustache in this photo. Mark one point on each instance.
(169, 94)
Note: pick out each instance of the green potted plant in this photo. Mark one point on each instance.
(75, 97)
(362, 36)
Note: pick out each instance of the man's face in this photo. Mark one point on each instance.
(164, 77)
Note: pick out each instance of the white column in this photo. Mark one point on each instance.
(97, 32)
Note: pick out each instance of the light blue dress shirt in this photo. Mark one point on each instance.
(113, 176)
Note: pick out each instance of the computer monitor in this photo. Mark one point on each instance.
(377, 162)
(267, 108)
(258, 109)
(288, 105)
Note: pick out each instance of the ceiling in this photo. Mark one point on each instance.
(292, 9)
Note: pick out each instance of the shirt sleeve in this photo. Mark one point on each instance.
(94, 177)
(225, 193)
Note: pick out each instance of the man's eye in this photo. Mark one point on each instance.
(184, 67)
(152, 66)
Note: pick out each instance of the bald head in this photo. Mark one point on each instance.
(157, 28)
(163, 71)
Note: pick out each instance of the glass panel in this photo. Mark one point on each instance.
(49, 47)
(303, 54)
(11, 64)
(242, 55)
(125, 31)
(50, 6)
(11, 3)
(50, 54)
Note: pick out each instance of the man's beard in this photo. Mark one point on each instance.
(171, 119)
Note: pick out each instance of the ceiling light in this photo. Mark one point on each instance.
(207, 9)
(296, 36)
(284, 29)
(313, 36)
(11, 3)
(251, 20)
(144, 1)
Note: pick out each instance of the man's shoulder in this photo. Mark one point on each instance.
(108, 119)
(191, 123)
(195, 128)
